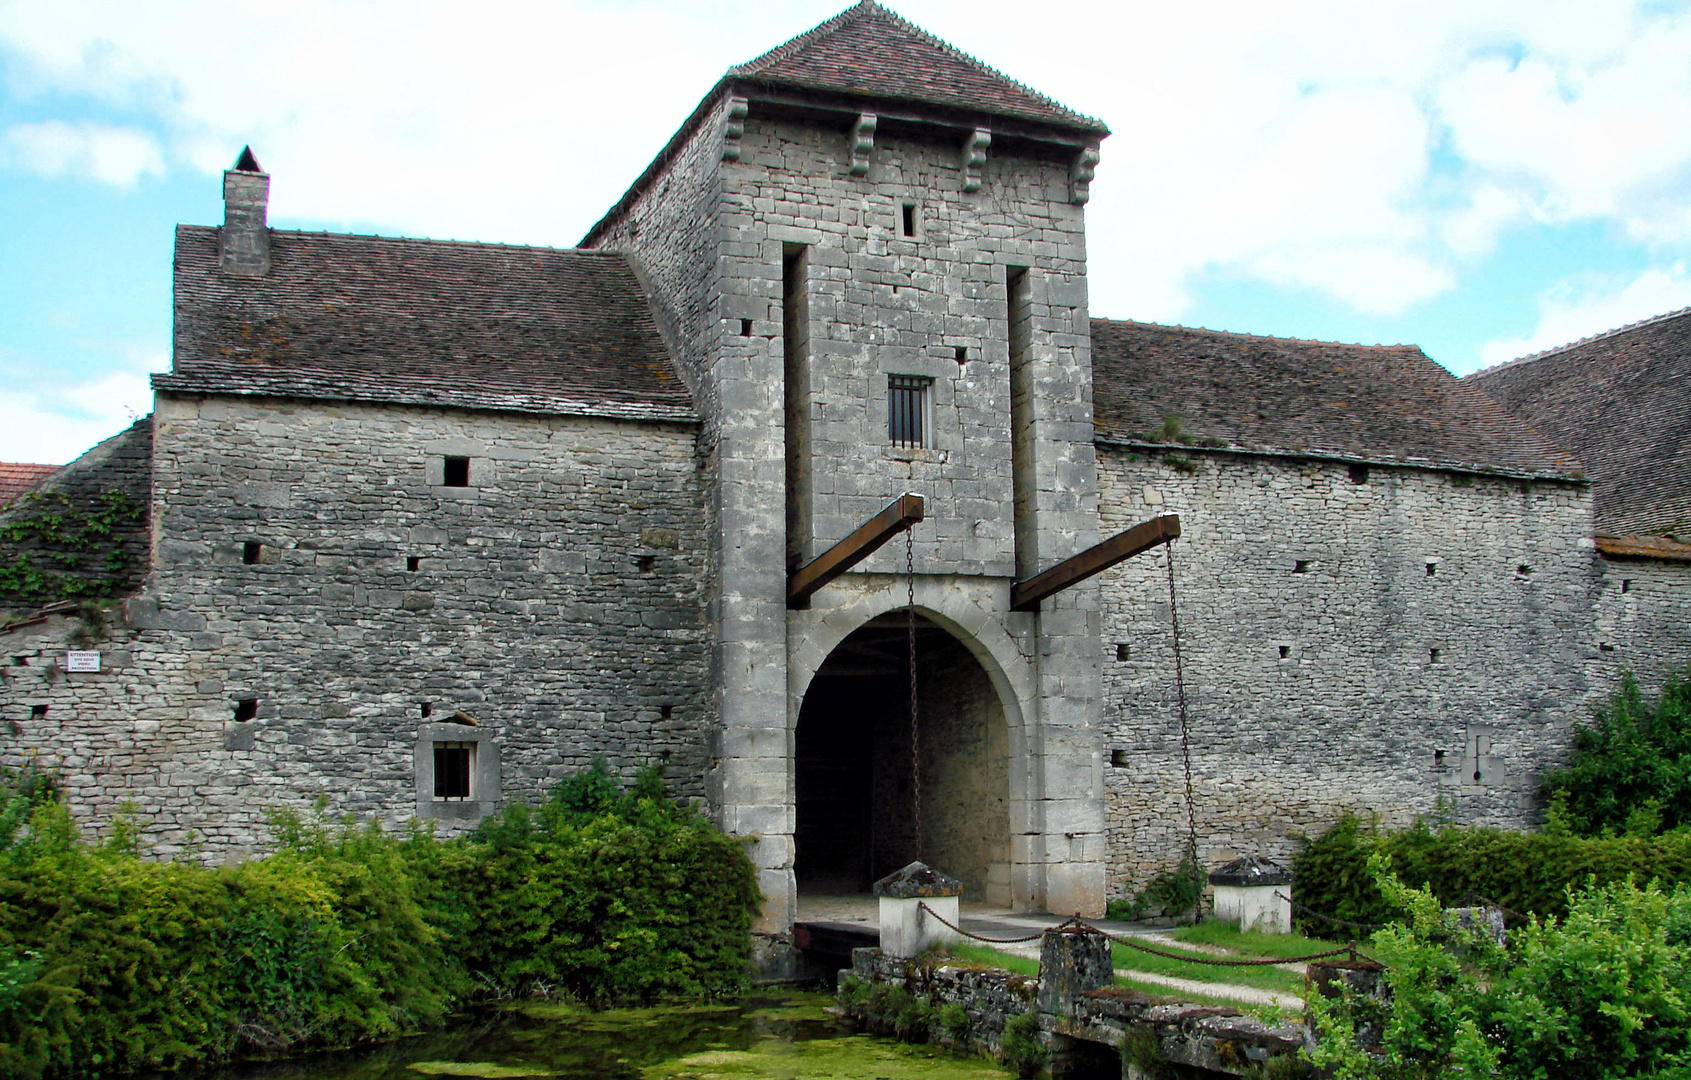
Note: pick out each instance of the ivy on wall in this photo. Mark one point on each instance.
(54, 547)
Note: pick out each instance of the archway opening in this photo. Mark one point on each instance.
(854, 771)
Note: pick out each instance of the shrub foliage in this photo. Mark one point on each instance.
(1526, 872)
(111, 963)
(1603, 992)
(1630, 769)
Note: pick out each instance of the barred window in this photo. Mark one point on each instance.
(907, 409)
(454, 765)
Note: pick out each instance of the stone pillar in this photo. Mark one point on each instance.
(1254, 893)
(1071, 961)
(905, 928)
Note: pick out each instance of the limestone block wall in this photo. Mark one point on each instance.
(309, 561)
(934, 305)
(1345, 645)
(1643, 610)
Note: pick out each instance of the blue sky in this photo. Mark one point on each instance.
(1481, 179)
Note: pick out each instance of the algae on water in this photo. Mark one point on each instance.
(485, 1070)
(851, 1057)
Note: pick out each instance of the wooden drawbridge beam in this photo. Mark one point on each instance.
(1026, 595)
(900, 514)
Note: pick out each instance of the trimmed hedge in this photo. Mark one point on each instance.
(110, 963)
(1526, 872)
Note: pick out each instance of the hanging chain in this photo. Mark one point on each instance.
(910, 640)
(1185, 732)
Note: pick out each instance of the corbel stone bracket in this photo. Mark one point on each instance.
(862, 143)
(1081, 170)
(733, 126)
(974, 156)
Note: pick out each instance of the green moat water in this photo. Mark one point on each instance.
(783, 1036)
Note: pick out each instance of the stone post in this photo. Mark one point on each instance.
(1071, 961)
(1255, 893)
(905, 928)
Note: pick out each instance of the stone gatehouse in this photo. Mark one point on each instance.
(428, 525)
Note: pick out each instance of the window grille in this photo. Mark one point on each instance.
(907, 407)
(454, 763)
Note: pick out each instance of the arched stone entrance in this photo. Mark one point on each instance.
(855, 799)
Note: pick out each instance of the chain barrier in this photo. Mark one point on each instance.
(943, 921)
(1185, 729)
(910, 640)
(1312, 913)
(1349, 950)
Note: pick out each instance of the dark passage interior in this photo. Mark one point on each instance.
(856, 799)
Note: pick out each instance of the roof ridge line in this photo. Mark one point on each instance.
(1262, 337)
(602, 252)
(866, 8)
(1599, 336)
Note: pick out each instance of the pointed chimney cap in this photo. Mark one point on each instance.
(246, 162)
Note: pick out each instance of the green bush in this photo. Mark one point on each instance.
(1605, 992)
(111, 963)
(1526, 872)
(605, 895)
(1023, 1046)
(1630, 769)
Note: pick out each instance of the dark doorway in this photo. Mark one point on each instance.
(856, 799)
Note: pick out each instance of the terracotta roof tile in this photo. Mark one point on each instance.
(868, 50)
(364, 318)
(1622, 402)
(18, 478)
(1380, 403)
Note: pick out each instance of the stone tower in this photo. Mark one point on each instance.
(869, 253)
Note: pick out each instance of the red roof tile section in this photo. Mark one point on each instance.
(18, 479)
(1370, 403)
(424, 322)
(1622, 402)
(870, 51)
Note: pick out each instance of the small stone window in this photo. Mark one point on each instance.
(1300, 566)
(455, 471)
(1359, 474)
(1118, 759)
(962, 354)
(1432, 569)
(1626, 585)
(456, 768)
(745, 328)
(1124, 651)
(246, 709)
(454, 771)
(908, 409)
(1435, 656)
(413, 563)
(38, 712)
(907, 220)
(252, 552)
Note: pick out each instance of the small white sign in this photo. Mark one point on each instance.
(82, 660)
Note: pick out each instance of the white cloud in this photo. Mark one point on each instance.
(53, 420)
(1367, 152)
(1576, 309)
(112, 155)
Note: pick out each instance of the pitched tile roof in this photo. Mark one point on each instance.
(1371, 403)
(18, 478)
(365, 318)
(868, 50)
(1622, 402)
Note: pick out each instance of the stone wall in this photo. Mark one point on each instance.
(1643, 619)
(1345, 644)
(313, 571)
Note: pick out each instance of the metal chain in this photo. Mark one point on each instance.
(1083, 926)
(910, 638)
(1312, 913)
(1185, 731)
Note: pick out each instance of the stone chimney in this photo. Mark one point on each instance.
(243, 244)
